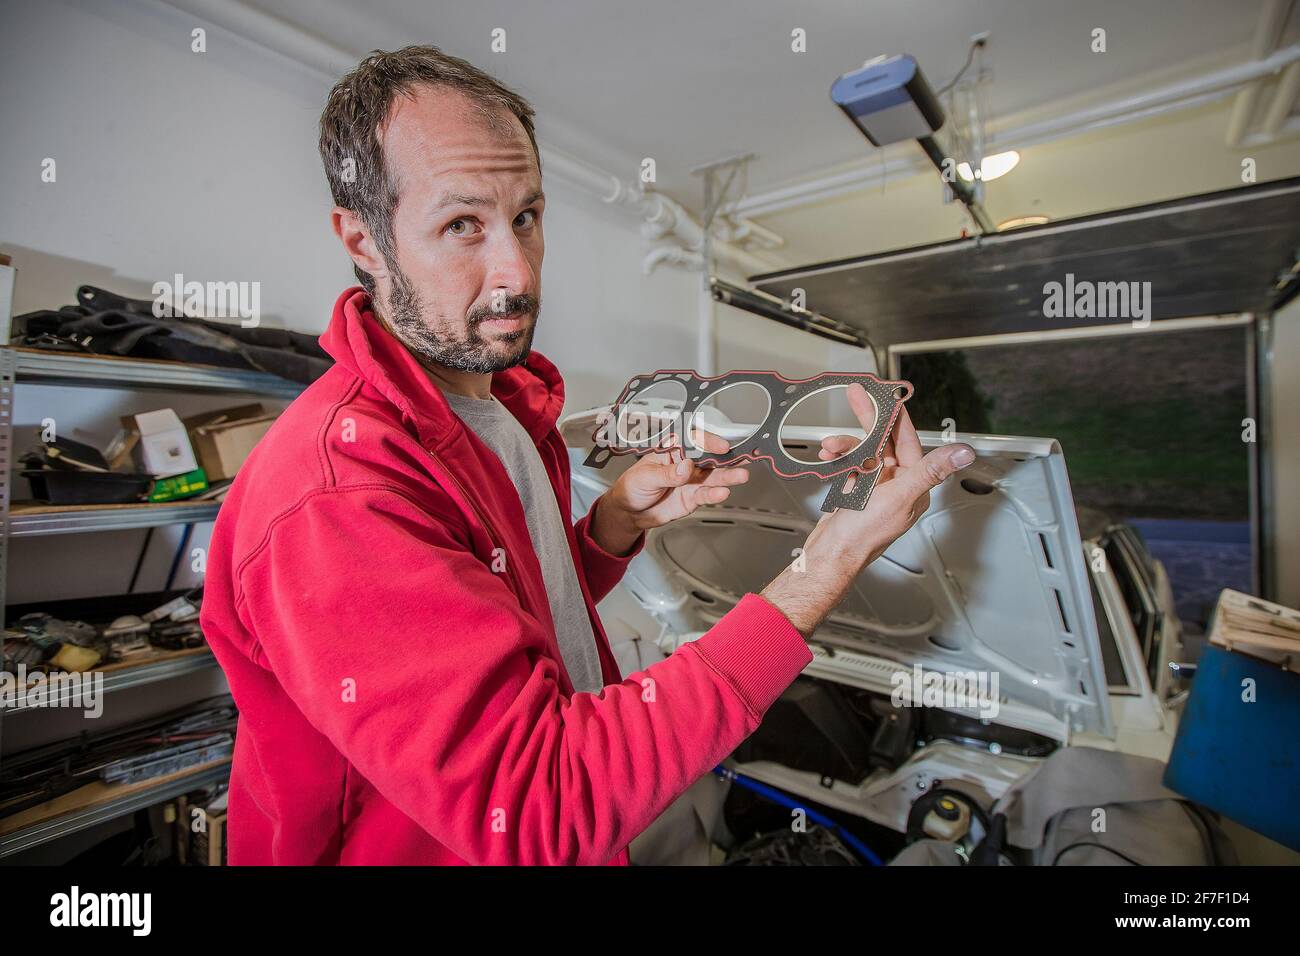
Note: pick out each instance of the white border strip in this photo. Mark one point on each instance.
(1055, 335)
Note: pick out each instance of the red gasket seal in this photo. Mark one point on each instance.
(676, 418)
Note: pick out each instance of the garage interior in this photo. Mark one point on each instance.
(1101, 298)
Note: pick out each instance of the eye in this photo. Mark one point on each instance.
(528, 217)
(459, 227)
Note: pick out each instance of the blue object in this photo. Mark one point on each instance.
(1242, 758)
(785, 800)
(889, 101)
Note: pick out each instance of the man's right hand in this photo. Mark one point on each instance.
(846, 541)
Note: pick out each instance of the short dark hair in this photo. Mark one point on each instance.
(357, 109)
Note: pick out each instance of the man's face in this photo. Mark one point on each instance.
(465, 288)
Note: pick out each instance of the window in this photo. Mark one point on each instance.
(1139, 600)
(1151, 423)
(1116, 678)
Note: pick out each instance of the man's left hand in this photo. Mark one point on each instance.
(661, 487)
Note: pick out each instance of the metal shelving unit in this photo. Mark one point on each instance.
(30, 524)
(135, 676)
(99, 371)
(44, 832)
(20, 366)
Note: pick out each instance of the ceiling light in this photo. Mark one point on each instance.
(993, 167)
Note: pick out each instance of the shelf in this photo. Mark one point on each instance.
(99, 802)
(42, 367)
(121, 676)
(31, 519)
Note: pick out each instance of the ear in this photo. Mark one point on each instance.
(357, 242)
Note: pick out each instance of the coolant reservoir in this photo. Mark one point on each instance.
(949, 820)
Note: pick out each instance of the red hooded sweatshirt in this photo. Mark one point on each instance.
(400, 700)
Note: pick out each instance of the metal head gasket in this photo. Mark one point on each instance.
(659, 412)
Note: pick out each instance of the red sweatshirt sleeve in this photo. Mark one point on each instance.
(602, 569)
(416, 661)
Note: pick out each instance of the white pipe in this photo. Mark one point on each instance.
(824, 187)
(1285, 131)
(580, 174)
(1268, 33)
(1243, 109)
(271, 33)
(1269, 27)
(1174, 96)
(1284, 97)
(747, 229)
(706, 361)
(659, 209)
(670, 253)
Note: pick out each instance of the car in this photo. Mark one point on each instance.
(1016, 632)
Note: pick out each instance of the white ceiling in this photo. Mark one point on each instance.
(687, 81)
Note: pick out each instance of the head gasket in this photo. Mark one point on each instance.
(666, 411)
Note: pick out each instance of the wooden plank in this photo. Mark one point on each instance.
(93, 795)
(20, 508)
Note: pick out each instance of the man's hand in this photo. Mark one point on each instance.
(659, 488)
(846, 541)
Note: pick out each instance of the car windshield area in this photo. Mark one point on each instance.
(1116, 677)
(1139, 599)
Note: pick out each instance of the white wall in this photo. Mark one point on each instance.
(170, 161)
(1285, 438)
(205, 164)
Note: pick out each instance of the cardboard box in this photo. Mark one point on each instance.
(179, 486)
(208, 846)
(223, 439)
(164, 445)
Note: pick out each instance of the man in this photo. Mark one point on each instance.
(405, 614)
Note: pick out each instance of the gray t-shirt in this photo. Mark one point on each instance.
(501, 432)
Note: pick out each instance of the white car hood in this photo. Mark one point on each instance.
(992, 577)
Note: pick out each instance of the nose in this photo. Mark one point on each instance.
(509, 267)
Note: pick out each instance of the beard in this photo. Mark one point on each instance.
(406, 316)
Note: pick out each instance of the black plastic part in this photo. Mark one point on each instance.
(87, 487)
(813, 728)
(940, 724)
(894, 738)
(807, 321)
(66, 454)
(989, 851)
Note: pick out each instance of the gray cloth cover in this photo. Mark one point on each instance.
(1051, 811)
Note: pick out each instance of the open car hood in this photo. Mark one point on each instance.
(992, 578)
